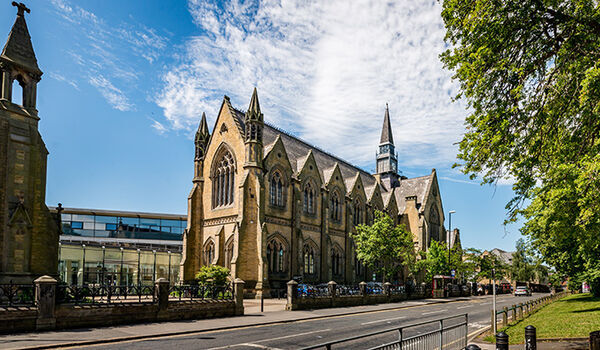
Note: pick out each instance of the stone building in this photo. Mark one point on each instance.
(28, 232)
(272, 207)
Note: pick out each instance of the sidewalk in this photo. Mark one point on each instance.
(252, 317)
(573, 345)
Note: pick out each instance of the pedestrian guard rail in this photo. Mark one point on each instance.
(448, 333)
(104, 293)
(522, 310)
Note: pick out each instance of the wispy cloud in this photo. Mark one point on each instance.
(62, 78)
(113, 95)
(107, 54)
(324, 69)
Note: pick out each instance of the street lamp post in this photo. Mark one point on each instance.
(138, 269)
(154, 267)
(449, 235)
(169, 252)
(103, 277)
(494, 299)
(83, 282)
(121, 269)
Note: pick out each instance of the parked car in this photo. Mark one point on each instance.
(522, 290)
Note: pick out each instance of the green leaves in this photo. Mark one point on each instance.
(384, 246)
(212, 275)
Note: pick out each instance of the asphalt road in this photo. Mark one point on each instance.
(299, 334)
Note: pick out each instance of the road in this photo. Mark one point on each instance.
(298, 334)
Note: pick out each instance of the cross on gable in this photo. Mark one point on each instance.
(21, 8)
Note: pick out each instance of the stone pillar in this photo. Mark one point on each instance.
(387, 289)
(363, 288)
(238, 294)
(332, 291)
(161, 293)
(45, 299)
(595, 340)
(292, 295)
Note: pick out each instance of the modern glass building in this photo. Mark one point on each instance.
(119, 247)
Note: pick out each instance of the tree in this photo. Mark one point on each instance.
(383, 246)
(213, 275)
(521, 269)
(491, 266)
(434, 261)
(530, 73)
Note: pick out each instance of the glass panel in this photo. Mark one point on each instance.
(66, 217)
(84, 218)
(107, 219)
(111, 227)
(130, 221)
(145, 221)
(76, 225)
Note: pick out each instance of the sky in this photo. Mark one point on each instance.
(125, 84)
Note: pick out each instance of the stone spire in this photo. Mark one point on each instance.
(201, 139)
(254, 133)
(18, 49)
(254, 108)
(386, 131)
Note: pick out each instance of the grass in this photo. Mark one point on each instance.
(574, 316)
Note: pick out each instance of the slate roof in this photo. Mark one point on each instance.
(298, 151)
(18, 48)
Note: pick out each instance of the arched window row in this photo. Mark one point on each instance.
(223, 181)
(276, 190)
(228, 253)
(358, 213)
(337, 262)
(276, 256)
(335, 206)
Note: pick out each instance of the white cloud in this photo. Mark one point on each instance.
(324, 69)
(60, 77)
(158, 126)
(113, 96)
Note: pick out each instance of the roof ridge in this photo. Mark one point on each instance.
(287, 133)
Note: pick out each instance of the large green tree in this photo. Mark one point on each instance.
(384, 247)
(529, 71)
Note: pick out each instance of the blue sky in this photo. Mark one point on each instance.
(125, 84)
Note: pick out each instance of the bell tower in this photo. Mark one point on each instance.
(387, 160)
(28, 231)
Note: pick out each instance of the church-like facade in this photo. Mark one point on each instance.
(272, 207)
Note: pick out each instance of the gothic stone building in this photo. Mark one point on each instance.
(28, 232)
(271, 207)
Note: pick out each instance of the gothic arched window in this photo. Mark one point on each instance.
(434, 224)
(336, 262)
(358, 213)
(223, 180)
(276, 256)
(309, 259)
(309, 199)
(228, 253)
(335, 206)
(276, 189)
(209, 253)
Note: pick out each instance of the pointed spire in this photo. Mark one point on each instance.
(254, 108)
(18, 48)
(203, 127)
(201, 140)
(386, 131)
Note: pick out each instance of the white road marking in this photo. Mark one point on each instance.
(294, 335)
(464, 307)
(387, 319)
(434, 312)
(254, 344)
(258, 346)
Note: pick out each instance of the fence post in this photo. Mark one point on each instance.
(504, 316)
(595, 340)
(292, 295)
(331, 289)
(530, 338)
(501, 341)
(238, 296)
(45, 299)
(161, 293)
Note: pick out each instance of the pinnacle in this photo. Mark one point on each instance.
(203, 127)
(254, 105)
(386, 131)
(18, 48)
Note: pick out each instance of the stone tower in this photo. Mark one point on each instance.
(387, 161)
(253, 268)
(190, 263)
(28, 232)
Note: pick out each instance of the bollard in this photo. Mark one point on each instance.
(472, 347)
(501, 341)
(595, 340)
(530, 338)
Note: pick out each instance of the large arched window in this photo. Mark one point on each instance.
(276, 189)
(229, 253)
(308, 203)
(336, 262)
(209, 253)
(335, 206)
(358, 213)
(434, 224)
(309, 259)
(276, 255)
(223, 180)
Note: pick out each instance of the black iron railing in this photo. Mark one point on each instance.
(12, 294)
(344, 290)
(188, 292)
(96, 293)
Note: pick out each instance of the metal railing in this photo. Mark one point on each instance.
(190, 292)
(12, 294)
(106, 294)
(450, 333)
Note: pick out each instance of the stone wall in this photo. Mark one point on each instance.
(47, 316)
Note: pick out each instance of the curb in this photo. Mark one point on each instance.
(160, 335)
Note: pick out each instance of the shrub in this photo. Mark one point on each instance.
(213, 275)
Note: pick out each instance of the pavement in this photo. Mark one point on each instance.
(274, 328)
